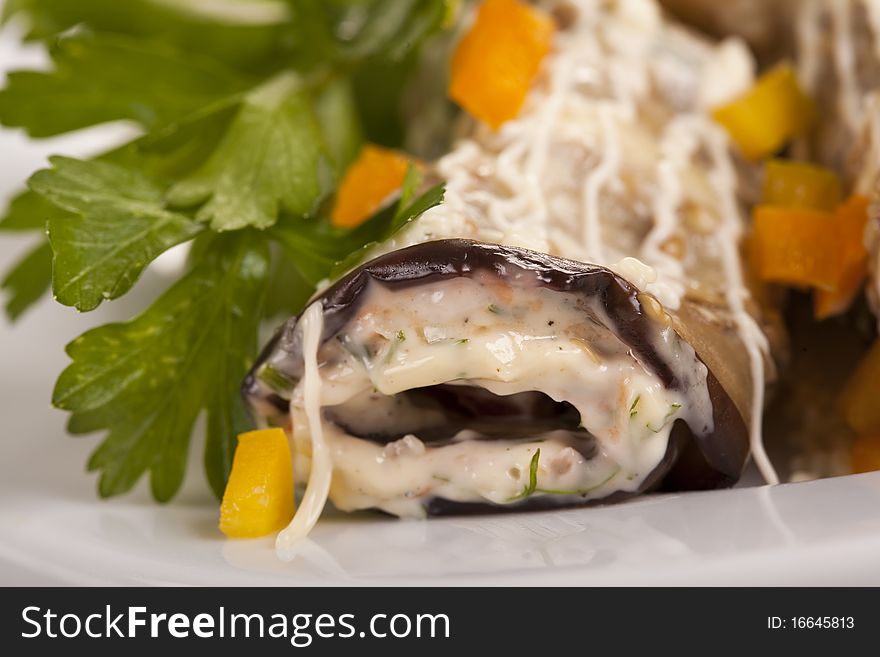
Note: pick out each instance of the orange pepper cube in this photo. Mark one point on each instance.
(866, 454)
(259, 494)
(860, 400)
(795, 246)
(370, 180)
(849, 229)
(497, 60)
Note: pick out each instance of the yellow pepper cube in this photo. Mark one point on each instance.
(497, 60)
(259, 494)
(768, 115)
(370, 180)
(860, 400)
(800, 185)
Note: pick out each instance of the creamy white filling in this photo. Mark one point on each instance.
(482, 332)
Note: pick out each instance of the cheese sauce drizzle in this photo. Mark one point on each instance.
(315, 497)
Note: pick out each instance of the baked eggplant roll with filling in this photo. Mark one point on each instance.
(571, 325)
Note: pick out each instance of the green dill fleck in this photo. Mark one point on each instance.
(440, 478)
(532, 486)
(392, 350)
(492, 308)
(278, 380)
(462, 341)
(579, 491)
(673, 409)
(401, 336)
(633, 409)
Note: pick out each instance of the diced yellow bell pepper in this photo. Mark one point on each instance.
(369, 181)
(259, 494)
(791, 246)
(497, 60)
(768, 115)
(866, 454)
(860, 399)
(800, 185)
(849, 231)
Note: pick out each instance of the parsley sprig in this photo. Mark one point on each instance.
(248, 119)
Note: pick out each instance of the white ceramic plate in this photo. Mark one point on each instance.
(54, 530)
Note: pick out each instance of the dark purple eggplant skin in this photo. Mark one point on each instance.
(697, 457)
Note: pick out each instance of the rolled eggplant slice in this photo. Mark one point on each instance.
(457, 372)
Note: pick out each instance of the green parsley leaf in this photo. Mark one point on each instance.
(288, 290)
(145, 381)
(28, 211)
(356, 31)
(338, 117)
(272, 158)
(243, 35)
(10, 8)
(312, 247)
(106, 78)
(28, 280)
(119, 227)
(249, 111)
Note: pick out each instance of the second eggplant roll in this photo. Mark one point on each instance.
(573, 323)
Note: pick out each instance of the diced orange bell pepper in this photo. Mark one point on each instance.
(849, 221)
(497, 60)
(800, 185)
(866, 454)
(259, 494)
(791, 246)
(860, 399)
(830, 303)
(768, 115)
(369, 181)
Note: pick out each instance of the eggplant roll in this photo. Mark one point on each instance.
(572, 324)
(468, 372)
